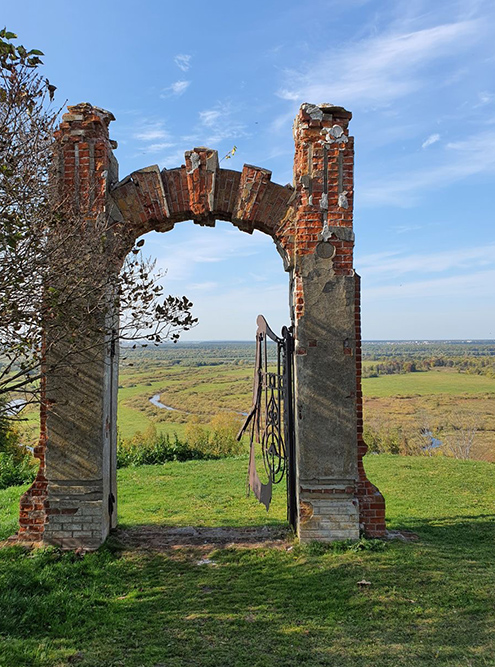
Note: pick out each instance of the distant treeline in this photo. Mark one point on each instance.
(377, 350)
(192, 354)
(477, 357)
(474, 365)
(388, 357)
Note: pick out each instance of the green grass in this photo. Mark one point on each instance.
(200, 493)
(430, 602)
(130, 421)
(444, 381)
(207, 390)
(9, 510)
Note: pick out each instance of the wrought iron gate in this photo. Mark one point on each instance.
(271, 418)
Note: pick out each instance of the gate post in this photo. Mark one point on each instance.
(72, 503)
(335, 500)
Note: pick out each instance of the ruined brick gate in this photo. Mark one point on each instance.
(73, 501)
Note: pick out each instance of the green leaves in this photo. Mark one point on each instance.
(4, 34)
(12, 56)
(26, 125)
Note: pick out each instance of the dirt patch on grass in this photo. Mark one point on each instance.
(164, 538)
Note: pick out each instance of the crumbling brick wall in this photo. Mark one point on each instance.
(311, 224)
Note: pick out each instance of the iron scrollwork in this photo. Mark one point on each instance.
(271, 419)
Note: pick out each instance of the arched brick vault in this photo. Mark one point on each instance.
(150, 199)
(201, 191)
(71, 502)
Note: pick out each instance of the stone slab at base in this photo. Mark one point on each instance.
(328, 519)
(76, 521)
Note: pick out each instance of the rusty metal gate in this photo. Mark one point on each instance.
(271, 418)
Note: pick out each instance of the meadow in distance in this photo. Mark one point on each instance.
(414, 390)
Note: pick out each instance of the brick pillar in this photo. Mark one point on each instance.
(326, 317)
(371, 501)
(34, 503)
(73, 501)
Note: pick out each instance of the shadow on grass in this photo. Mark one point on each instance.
(248, 607)
(475, 533)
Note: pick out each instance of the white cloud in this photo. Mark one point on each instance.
(404, 295)
(175, 89)
(155, 139)
(432, 139)
(210, 117)
(207, 286)
(151, 131)
(461, 159)
(471, 284)
(172, 159)
(232, 313)
(485, 98)
(221, 124)
(183, 61)
(389, 265)
(404, 229)
(377, 70)
(180, 258)
(155, 148)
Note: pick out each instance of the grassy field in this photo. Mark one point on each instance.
(441, 381)
(394, 401)
(201, 381)
(203, 391)
(430, 601)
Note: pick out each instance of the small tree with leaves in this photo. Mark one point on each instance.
(42, 279)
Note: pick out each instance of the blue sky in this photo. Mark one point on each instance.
(419, 79)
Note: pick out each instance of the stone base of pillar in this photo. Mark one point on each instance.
(77, 516)
(328, 514)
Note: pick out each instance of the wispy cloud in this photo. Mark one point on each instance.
(404, 229)
(151, 131)
(485, 98)
(172, 158)
(221, 123)
(478, 283)
(457, 273)
(159, 147)
(183, 61)
(379, 69)
(432, 139)
(207, 286)
(153, 138)
(175, 89)
(239, 307)
(210, 117)
(182, 258)
(459, 160)
(391, 265)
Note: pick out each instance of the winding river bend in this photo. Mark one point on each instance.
(155, 400)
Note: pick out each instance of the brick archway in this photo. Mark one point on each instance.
(73, 500)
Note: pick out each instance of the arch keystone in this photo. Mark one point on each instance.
(201, 170)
